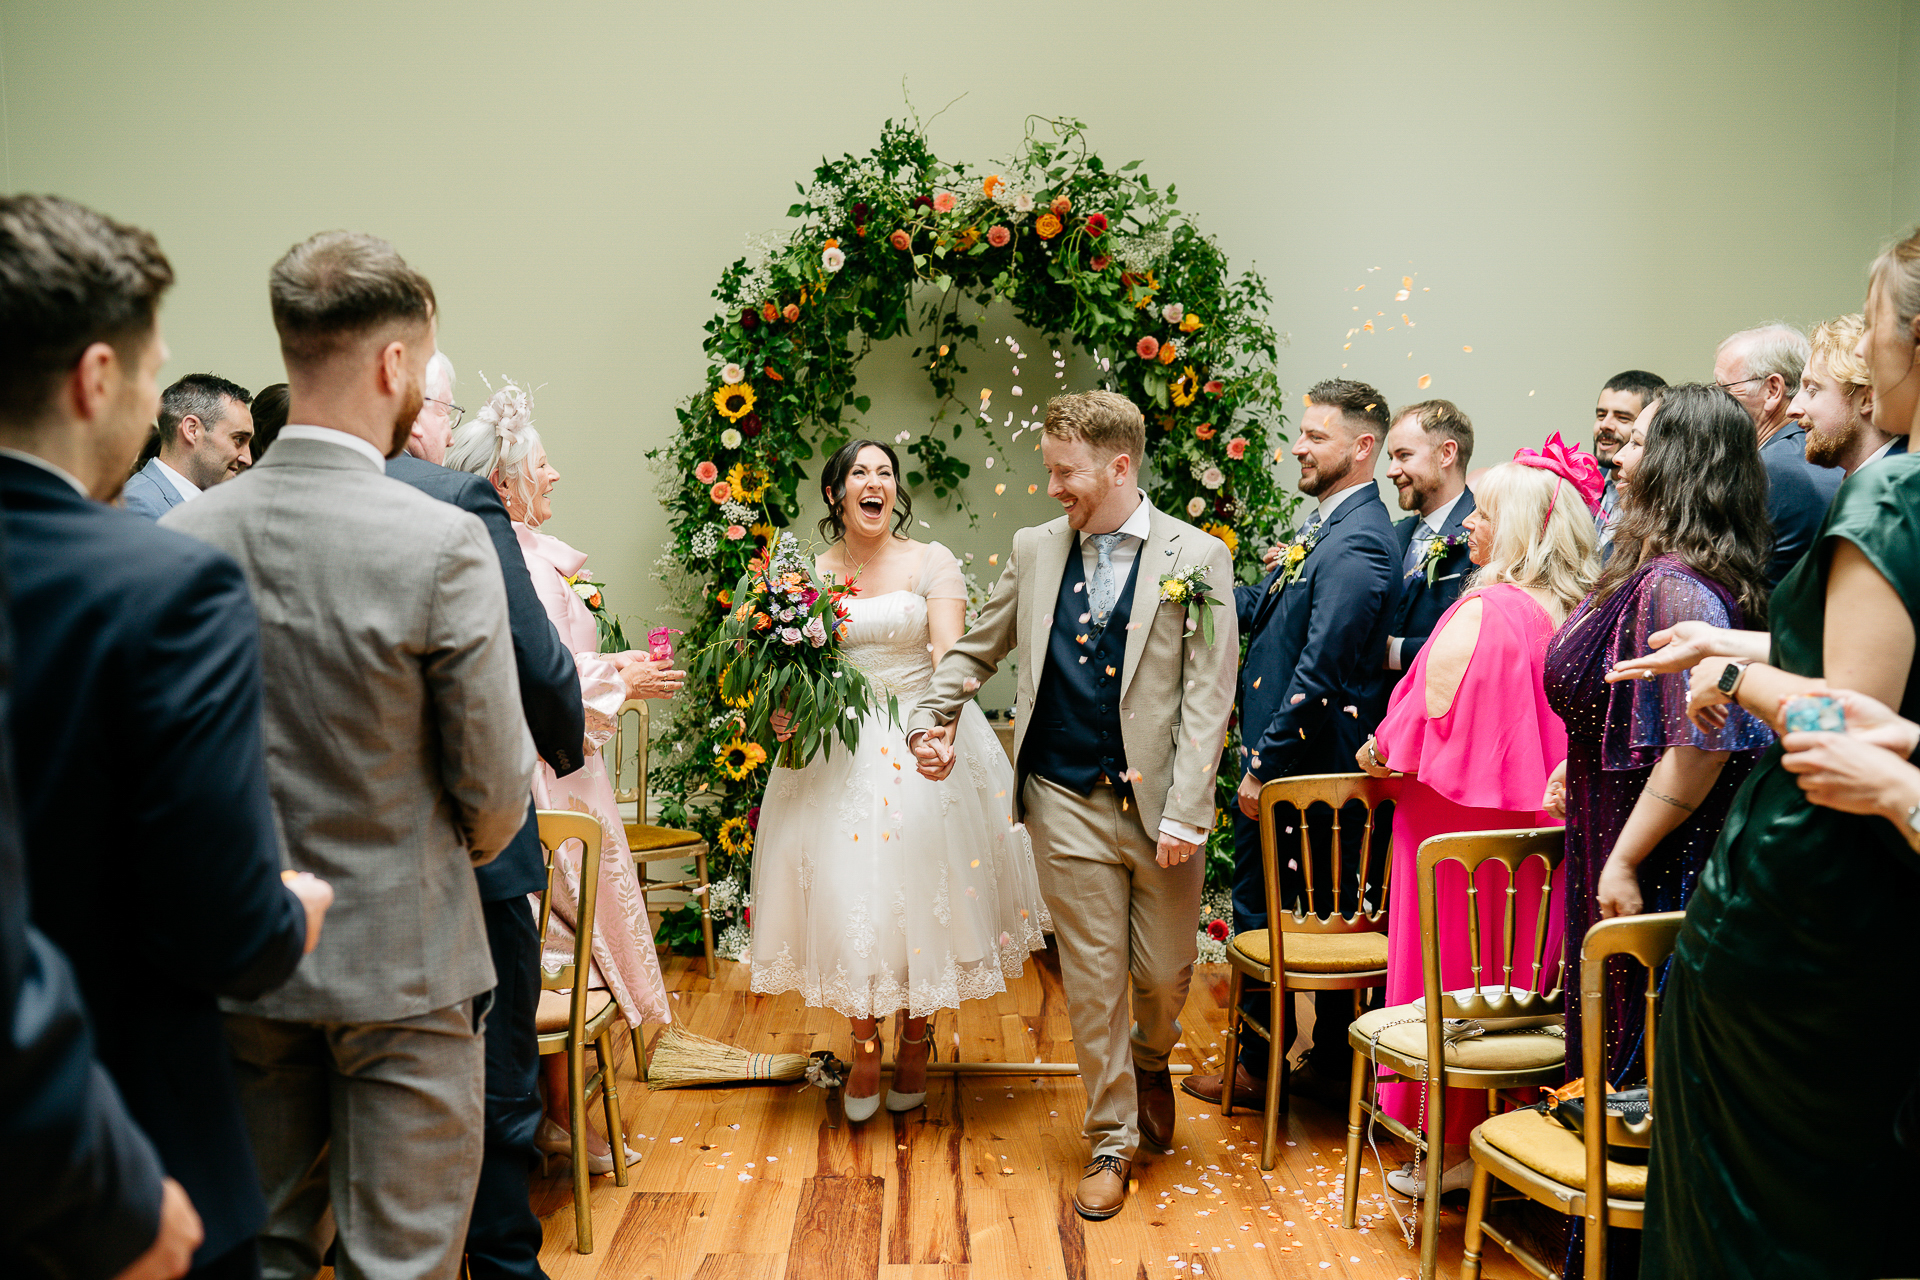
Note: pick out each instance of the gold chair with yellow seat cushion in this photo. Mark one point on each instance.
(1334, 951)
(627, 762)
(1411, 1041)
(582, 1018)
(1539, 1158)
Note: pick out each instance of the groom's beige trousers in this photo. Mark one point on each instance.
(1124, 923)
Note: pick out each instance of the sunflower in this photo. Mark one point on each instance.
(734, 403)
(737, 759)
(762, 534)
(736, 837)
(1226, 535)
(749, 483)
(1185, 387)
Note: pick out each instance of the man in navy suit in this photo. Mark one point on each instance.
(82, 1194)
(503, 1237)
(1313, 684)
(1428, 450)
(1761, 368)
(206, 436)
(152, 850)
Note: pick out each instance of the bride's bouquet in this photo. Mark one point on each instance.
(780, 650)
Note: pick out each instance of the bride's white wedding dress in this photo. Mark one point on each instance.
(874, 888)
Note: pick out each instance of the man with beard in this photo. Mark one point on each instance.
(1762, 368)
(1427, 454)
(1312, 687)
(1835, 401)
(1620, 402)
(205, 434)
(399, 760)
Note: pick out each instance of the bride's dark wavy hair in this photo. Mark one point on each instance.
(1699, 494)
(833, 487)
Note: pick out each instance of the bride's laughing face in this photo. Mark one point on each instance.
(867, 510)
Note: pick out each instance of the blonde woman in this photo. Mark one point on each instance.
(1470, 728)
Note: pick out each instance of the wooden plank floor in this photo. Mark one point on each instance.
(751, 1183)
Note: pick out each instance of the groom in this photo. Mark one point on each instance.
(1115, 783)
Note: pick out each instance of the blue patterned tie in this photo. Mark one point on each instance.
(1101, 592)
(1416, 548)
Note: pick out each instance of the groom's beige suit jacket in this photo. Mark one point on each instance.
(1176, 691)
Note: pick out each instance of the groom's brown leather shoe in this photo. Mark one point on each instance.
(1103, 1188)
(1155, 1089)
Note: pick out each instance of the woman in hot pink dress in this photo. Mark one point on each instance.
(502, 445)
(1470, 726)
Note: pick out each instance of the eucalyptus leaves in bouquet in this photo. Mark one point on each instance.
(780, 650)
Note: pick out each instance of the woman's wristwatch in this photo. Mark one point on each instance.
(1731, 677)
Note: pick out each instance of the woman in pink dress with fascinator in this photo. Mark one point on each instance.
(1470, 728)
(502, 444)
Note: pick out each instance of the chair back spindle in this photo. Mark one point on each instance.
(1309, 913)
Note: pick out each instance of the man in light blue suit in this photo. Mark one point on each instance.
(205, 431)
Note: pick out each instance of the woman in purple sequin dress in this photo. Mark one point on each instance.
(1645, 792)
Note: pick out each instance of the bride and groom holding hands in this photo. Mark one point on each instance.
(890, 885)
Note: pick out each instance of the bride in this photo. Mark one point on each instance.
(877, 890)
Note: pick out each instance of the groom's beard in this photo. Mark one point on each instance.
(1325, 479)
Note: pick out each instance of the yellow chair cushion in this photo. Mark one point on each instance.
(557, 1006)
(642, 838)
(1494, 1051)
(1550, 1149)
(1317, 952)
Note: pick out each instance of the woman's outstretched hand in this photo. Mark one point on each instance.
(1686, 645)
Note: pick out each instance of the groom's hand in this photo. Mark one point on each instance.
(933, 749)
(1173, 850)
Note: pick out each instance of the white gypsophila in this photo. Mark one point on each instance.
(725, 717)
(705, 541)
(723, 896)
(737, 512)
(734, 943)
(1138, 252)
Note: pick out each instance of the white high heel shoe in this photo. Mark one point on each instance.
(553, 1141)
(897, 1101)
(859, 1110)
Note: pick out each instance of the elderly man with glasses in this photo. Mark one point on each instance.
(433, 427)
(1761, 369)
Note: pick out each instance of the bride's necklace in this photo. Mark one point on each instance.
(846, 553)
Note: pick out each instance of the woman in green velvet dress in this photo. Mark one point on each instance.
(1787, 1034)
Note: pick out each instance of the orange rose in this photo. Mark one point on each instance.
(1047, 226)
(992, 185)
(1061, 205)
(769, 313)
(791, 312)
(1169, 352)
(1204, 431)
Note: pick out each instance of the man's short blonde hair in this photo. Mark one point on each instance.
(1834, 343)
(1111, 424)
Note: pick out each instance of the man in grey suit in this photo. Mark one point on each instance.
(205, 437)
(399, 760)
(1121, 716)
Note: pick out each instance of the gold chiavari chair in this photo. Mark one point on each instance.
(1414, 1044)
(650, 844)
(571, 1018)
(1309, 945)
(1537, 1156)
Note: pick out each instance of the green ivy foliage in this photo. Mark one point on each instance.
(899, 242)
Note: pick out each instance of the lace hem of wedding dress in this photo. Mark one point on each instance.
(884, 994)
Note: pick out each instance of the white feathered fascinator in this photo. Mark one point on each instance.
(508, 413)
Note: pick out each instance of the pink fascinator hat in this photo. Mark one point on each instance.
(1571, 464)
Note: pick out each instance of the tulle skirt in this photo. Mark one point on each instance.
(876, 889)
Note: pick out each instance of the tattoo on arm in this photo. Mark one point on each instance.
(1661, 795)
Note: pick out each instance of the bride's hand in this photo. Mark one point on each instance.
(933, 750)
(782, 722)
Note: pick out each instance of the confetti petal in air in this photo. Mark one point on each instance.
(1426, 380)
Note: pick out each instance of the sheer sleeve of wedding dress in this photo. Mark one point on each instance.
(875, 889)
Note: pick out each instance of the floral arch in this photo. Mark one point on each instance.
(1094, 256)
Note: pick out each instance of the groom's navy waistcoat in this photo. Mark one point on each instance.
(1075, 735)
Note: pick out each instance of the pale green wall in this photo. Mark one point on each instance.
(1583, 188)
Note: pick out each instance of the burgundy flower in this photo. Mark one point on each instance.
(860, 212)
(746, 916)
(1096, 224)
(749, 317)
(921, 202)
(749, 425)
(753, 818)
(1217, 930)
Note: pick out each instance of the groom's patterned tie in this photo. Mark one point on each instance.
(1101, 592)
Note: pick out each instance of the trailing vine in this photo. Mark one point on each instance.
(899, 241)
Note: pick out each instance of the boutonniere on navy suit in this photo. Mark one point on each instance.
(1434, 567)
